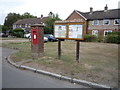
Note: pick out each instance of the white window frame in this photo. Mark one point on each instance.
(26, 25)
(107, 31)
(94, 32)
(104, 21)
(20, 25)
(29, 25)
(14, 26)
(93, 22)
(118, 21)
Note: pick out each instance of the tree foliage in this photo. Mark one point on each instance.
(10, 19)
(0, 27)
(49, 23)
(113, 37)
(13, 17)
(4, 29)
(27, 15)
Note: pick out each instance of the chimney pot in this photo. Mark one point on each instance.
(41, 16)
(106, 8)
(91, 10)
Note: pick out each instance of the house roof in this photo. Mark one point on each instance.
(31, 21)
(109, 14)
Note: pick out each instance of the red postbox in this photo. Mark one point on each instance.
(35, 36)
(37, 42)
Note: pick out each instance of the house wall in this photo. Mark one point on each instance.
(75, 15)
(89, 27)
(101, 27)
(25, 27)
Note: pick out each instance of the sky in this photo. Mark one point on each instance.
(61, 7)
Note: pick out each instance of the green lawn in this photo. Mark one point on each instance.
(98, 61)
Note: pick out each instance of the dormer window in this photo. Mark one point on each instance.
(117, 22)
(95, 22)
(106, 22)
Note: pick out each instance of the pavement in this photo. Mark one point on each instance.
(0, 68)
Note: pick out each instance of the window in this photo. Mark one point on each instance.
(29, 25)
(117, 22)
(106, 22)
(95, 22)
(95, 32)
(106, 32)
(25, 25)
(20, 25)
(14, 26)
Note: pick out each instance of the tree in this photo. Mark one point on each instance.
(10, 19)
(13, 17)
(49, 23)
(4, 29)
(0, 27)
(27, 15)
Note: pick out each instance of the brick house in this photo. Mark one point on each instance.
(26, 23)
(98, 23)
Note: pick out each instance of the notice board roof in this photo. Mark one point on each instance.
(70, 21)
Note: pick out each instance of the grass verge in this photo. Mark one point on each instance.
(98, 61)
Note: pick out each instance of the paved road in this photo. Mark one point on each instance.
(16, 78)
(0, 68)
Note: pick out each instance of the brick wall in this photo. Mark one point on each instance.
(101, 27)
(75, 15)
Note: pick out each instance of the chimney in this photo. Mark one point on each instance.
(105, 8)
(41, 16)
(91, 10)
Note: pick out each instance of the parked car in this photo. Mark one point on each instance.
(50, 37)
(45, 38)
(3, 35)
(27, 35)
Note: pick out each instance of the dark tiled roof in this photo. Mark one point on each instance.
(109, 14)
(31, 21)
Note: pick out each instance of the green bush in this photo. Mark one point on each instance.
(18, 32)
(89, 38)
(99, 39)
(113, 37)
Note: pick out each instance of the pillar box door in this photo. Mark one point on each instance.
(34, 36)
(37, 42)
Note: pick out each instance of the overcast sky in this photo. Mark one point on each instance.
(62, 7)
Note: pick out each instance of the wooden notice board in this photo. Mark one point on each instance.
(69, 30)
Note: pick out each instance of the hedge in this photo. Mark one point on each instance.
(89, 38)
(18, 32)
(113, 37)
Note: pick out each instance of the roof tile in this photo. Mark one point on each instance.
(110, 14)
(31, 21)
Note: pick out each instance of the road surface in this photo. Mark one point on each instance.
(15, 78)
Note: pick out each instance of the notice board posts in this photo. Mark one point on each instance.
(59, 48)
(69, 30)
(78, 51)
